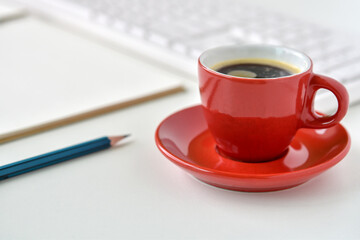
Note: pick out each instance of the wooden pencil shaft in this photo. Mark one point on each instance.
(82, 116)
(47, 159)
(39, 165)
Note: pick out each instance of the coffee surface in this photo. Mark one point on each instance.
(256, 68)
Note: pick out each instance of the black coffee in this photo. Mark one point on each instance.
(254, 70)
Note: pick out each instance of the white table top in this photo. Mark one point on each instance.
(134, 192)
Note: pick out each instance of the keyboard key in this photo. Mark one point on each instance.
(137, 31)
(343, 58)
(320, 67)
(120, 25)
(237, 32)
(201, 44)
(159, 39)
(179, 47)
(102, 19)
(163, 35)
(71, 7)
(272, 41)
(254, 37)
(346, 72)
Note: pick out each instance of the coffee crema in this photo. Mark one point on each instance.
(256, 68)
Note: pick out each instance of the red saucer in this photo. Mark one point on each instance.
(185, 139)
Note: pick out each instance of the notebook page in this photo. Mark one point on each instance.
(47, 73)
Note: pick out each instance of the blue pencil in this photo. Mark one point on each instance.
(61, 155)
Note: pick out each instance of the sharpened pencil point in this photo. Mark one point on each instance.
(115, 139)
(126, 135)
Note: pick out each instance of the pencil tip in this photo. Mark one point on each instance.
(115, 139)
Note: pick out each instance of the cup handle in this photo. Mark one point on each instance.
(309, 118)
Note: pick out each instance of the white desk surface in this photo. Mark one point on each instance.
(133, 192)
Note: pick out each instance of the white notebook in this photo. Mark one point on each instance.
(49, 74)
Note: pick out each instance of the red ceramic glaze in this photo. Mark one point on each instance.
(184, 138)
(255, 120)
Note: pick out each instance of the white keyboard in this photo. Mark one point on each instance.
(175, 32)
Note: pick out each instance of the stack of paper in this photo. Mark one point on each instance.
(50, 77)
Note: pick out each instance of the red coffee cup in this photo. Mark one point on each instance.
(255, 119)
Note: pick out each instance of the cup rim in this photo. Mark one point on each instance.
(296, 52)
